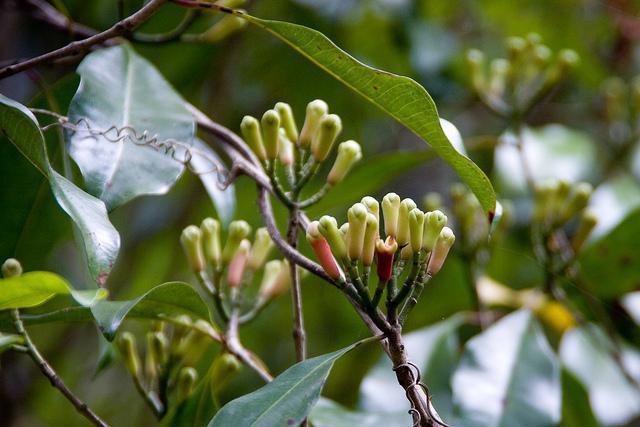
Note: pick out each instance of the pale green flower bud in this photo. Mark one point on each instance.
(262, 245)
(270, 133)
(11, 268)
(568, 59)
(440, 251)
(370, 238)
(357, 216)
(129, 351)
(577, 201)
(191, 240)
(285, 148)
(499, 70)
(328, 130)
(433, 223)
(225, 367)
(587, 223)
(406, 206)
(268, 290)
(187, 378)
(238, 264)
(328, 227)
(372, 206)
(416, 229)
(238, 230)
(475, 61)
(349, 153)
(516, 45)
(211, 241)
(252, 135)
(542, 55)
(287, 121)
(390, 211)
(315, 111)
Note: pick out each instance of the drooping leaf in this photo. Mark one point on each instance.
(166, 300)
(586, 353)
(100, 238)
(508, 376)
(120, 88)
(400, 97)
(434, 350)
(194, 411)
(576, 410)
(286, 401)
(328, 413)
(204, 162)
(610, 265)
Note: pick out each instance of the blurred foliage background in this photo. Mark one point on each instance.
(247, 73)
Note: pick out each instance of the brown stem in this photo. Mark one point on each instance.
(299, 336)
(77, 47)
(235, 347)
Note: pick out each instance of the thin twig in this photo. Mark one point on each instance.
(299, 336)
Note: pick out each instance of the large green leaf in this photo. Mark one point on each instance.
(434, 350)
(586, 353)
(100, 238)
(166, 300)
(508, 376)
(328, 413)
(400, 97)
(610, 265)
(286, 401)
(576, 409)
(120, 88)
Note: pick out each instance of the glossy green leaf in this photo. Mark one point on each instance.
(194, 411)
(586, 353)
(434, 350)
(204, 163)
(100, 238)
(166, 300)
(286, 401)
(508, 376)
(328, 413)
(610, 265)
(120, 88)
(400, 97)
(576, 409)
(31, 289)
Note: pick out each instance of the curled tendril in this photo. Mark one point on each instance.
(180, 152)
(418, 383)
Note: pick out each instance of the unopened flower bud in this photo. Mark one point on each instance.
(516, 45)
(191, 240)
(440, 251)
(416, 229)
(390, 211)
(322, 250)
(577, 201)
(534, 39)
(433, 223)
(499, 70)
(406, 206)
(328, 130)
(159, 346)
(270, 133)
(191, 347)
(127, 344)
(370, 237)
(187, 378)
(252, 135)
(544, 194)
(238, 230)
(349, 153)
(542, 55)
(269, 276)
(287, 121)
(372, 206)
(283, 279)
(11, 268)
(225, 367)
(475, 61)
(357, 216)
(560, 197)
(385, 250)
(238, 264)
(285, 149)
(406, 253)
(315, 111)
(588, 222)
(211, 241)
(568, 59)
(328, 227)
(262, 245)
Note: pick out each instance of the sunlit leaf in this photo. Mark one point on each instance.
(120, 88)
(508, 376)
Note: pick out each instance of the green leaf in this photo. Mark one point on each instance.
(31, 289)
(120, 88)
(400, 97)
(9, 340)
(204, 163)
(587, 353)
(576, 410)
(328, 413)
(610, 265)
(166, 300)
(194, 411)
(508, 376)
(434, 350)
(287, 400)
(100, 238)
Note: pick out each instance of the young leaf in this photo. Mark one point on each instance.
(328, 413)
(400, 97)
(287, 400)
(586, 353)
(434, 350)
(120, 88)
(100, 238)
(166, 300)
(508, 376)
